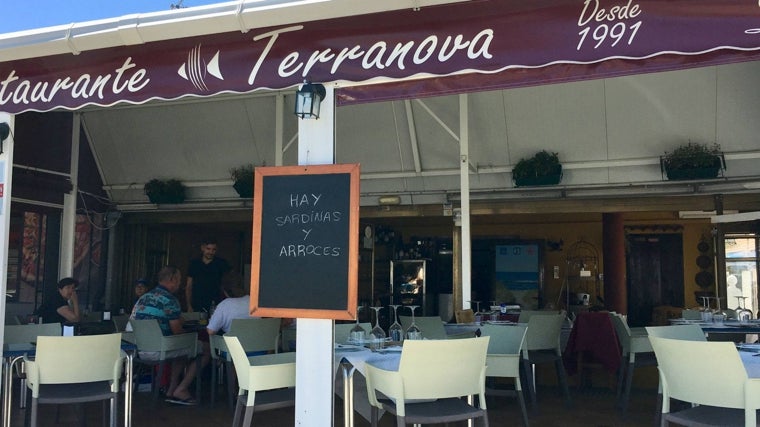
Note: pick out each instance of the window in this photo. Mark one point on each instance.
(741, 271)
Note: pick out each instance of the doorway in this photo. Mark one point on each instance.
(654, 265)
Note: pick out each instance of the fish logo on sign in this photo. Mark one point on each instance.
(195, 69)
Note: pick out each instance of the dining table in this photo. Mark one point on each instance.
(350, 359)
(13, 358)
(730, 326)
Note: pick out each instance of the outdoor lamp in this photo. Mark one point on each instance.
(308, 99)
(5, 130)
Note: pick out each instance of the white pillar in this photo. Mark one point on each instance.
(314, 342)
(69, 217)
(464, 182)
(6, 174)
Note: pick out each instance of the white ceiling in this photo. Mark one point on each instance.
(609, 134)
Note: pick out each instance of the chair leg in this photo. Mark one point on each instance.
(114, 411)
(214, 374)
(198, 372)
(373, 416)
(237, 419)
(523, 409)
(621, 378)
(562, 378)
(229, 368)
(530, 385)
(485, 419)
(33, 419)
(628, 383)
(248, 418)
(156, 380)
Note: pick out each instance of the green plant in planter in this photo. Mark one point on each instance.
(243, 180)
(543, 168)
(165, 191)
(693, 161)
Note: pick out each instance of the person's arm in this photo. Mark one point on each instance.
(176, 326)
(189, 294)
(216, 321)
(70, 313)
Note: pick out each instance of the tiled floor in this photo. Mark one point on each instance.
(591, 407)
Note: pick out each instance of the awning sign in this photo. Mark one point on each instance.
(486, 38)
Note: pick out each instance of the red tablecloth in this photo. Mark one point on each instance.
(593, 335)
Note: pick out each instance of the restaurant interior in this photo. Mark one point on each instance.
(615, 232)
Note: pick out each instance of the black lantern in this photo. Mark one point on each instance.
(308, 100)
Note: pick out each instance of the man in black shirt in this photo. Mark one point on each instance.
(204, 278)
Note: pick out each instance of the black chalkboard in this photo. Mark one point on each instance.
(305, 245)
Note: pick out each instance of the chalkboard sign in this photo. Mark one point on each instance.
(305, 241)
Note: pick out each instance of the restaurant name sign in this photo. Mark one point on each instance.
(486, 38)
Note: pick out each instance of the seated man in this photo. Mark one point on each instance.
(161, 304)
(230, 308)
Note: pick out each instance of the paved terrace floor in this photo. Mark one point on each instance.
(593, 406)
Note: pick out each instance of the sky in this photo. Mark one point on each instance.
(29, 14)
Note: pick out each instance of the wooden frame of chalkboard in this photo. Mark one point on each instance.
(305, 248)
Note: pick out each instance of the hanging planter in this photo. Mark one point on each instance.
(693, 161)
(242, 177)
(169, 191)
(543, 168)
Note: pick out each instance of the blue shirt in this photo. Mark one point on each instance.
(158, 303)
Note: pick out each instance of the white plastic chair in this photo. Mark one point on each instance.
(431, 326)
(689, 332)
(503, 360)
(255, 335)
(709, 375)
(75, 370)
(265, 382)
(542, 345)
(435, 373)
(155, 349)
(26, 334)
(635, 351)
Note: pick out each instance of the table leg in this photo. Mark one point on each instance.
(128, 388)
(348, 394)
(6, 387)
(8, 364)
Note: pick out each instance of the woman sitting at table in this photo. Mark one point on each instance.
(63, 306)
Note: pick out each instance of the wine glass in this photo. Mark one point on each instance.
(719, 316)
(377, 334)
(742, 314)
(395, 331)
(413, 332)
(704, 311)
(357, 333)
(478, 314)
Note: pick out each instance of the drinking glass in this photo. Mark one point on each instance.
(413, 332)
(357, 333)
(395, 331)
(742, 314)
(377, 334)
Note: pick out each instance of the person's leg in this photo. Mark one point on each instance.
(182, 391)
(206, 346)
(177, 367)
